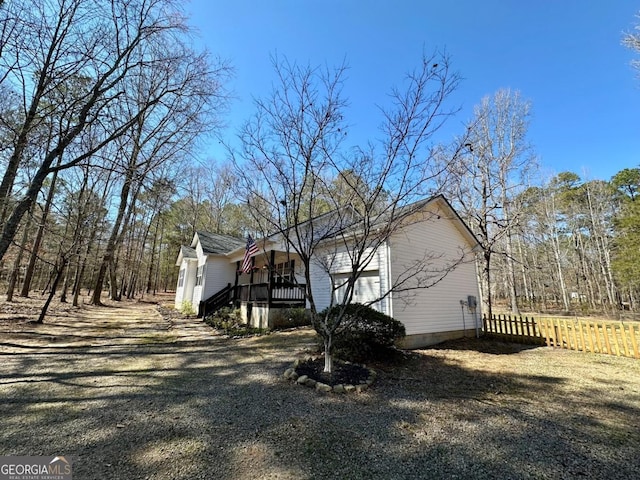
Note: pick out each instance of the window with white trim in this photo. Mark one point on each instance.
(284, 272)
(181, 278)
(199, 275)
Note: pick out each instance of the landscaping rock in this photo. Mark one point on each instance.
(338, 389)
(323, 387)
(302, 379)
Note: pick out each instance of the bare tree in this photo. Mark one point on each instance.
(632, 41)
(488, 175)
(75, 61)
(326, 204)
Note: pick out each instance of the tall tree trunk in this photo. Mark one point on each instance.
(523, 273)
(122, 219)
(23, 206)
(511, 274)
(77, 284)
(59, 272)
(486, 284)
(563, 286)
(155, 285)
(26, 286)
(153, 256)
(15, 271)
(110, 249)
(65, 286)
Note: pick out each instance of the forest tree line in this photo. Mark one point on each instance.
(101, 186)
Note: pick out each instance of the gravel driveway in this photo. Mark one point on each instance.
(132, 395)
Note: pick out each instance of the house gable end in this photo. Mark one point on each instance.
(207, 243)
(185, 254)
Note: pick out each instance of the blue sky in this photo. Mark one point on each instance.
(565, 56)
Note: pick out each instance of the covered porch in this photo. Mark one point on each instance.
(272, 284)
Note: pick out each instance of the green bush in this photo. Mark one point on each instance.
(186, 308)
(224, 318)
(291, 317)
(364, 333)
(229, 321)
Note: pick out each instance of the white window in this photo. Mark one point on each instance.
(365, 290)
(181, 278)
(284, 272)
(199, 274)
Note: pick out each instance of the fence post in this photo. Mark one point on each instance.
(575, 334)
(634, 342)
(624, 339)
(614, 332)
(596, 327)
(521, 326)
(547, 331)
(605, 331)
(591, 349)
(582, 339)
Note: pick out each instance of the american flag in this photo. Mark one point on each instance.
(251, 249)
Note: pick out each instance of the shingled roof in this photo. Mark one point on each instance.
(188, 252)
(217, 244)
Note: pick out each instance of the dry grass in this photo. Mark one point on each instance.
(132, 394)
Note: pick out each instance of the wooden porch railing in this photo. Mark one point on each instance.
(289, 295)
(280, 293)
(218, 300)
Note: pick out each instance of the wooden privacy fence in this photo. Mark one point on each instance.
(602, 336)
(513, 329)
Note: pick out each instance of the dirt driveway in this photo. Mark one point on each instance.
(130, 395)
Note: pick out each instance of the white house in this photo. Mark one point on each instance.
(204, 268)
(432, 246)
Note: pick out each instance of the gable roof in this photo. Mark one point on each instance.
(406, 211)
(216, 243)
(401, 212)
(188, 252)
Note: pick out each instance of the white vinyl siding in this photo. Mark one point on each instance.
(217, 274)
(437, 308)
(366, 289)
(371, 285)
(320, 286)
(184, 293)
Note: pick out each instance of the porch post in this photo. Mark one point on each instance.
(249, 301)
(272, 260)
(235, 285)
(253, 264)
(295, 288)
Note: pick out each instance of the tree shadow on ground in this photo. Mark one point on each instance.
(484, 345)
(221, 410)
